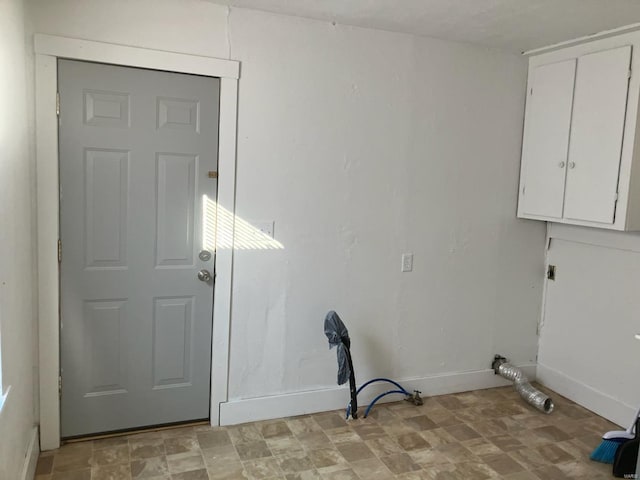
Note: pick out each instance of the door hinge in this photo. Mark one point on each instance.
(615, 197)
(630, 73)
(59, 385)
(531, 91)
(59, 251)
(524, 189)
(58, 103)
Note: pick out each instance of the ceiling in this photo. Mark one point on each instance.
(516, 25)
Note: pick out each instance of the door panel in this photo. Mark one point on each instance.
(104, 349)
(176, 176)
(106, 109)
(136, 147)
(546, 139)
(106, 196)
(597, 129)
(172, 341)
(178, 113)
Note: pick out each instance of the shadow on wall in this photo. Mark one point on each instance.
(217, 219)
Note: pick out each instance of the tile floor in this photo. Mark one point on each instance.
(488, 434)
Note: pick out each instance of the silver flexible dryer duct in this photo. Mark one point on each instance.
(531, 395)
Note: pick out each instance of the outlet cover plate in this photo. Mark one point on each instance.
(266, 227)
(407, 262)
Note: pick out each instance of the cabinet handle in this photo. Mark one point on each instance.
(572, 164)
(561, 164)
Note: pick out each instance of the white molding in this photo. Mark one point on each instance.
(599, 402)
(595, 236)
(620, 227)
(31, 457)
(300, 403)
(224, 257)
(48, 279)
(586, 38)
(48, 50)
(91, 51)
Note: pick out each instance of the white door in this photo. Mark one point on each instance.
(546, 139)
(599, 111)
(136, 203)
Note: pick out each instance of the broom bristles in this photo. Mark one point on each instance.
(606, 451)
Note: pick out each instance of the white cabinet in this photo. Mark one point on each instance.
(546, 140)
(595, 143)
(580, 161)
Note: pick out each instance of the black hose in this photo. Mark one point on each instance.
(352, 378)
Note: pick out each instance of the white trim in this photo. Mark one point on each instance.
(3, 398)
(599, 402)
(301, 403)
(545, 285)
(48, 281)
(48, 50)
(596, 236)
(224, 257)
(586, 38)
(616, 226)
(31, 457)
(90, 51)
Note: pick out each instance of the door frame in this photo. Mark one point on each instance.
(48, 49)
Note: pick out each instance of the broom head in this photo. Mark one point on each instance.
(606, 451)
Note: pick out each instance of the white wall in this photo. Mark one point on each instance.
(587, 346)
(17, 321)
(186, 26)
(360, 145)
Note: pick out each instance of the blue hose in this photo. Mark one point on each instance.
(401, 390)
(383, 380)
(366, 413)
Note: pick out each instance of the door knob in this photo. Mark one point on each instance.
(572, 164)
(561, 164)
(204, 275)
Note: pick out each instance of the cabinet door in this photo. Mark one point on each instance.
(599, 110)
(545, 144)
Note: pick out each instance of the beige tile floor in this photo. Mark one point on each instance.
(487, 434)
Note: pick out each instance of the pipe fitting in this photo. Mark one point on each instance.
(497, 361)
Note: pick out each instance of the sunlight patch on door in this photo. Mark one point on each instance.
(221, 229)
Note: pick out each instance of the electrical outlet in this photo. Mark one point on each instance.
(407, 262)
(265, 227)
(551, 272)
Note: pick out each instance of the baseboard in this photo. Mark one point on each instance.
(31, 457)
(604, 405)
(300, 403)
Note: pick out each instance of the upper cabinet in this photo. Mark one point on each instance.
(546, 139)
(580, 159)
